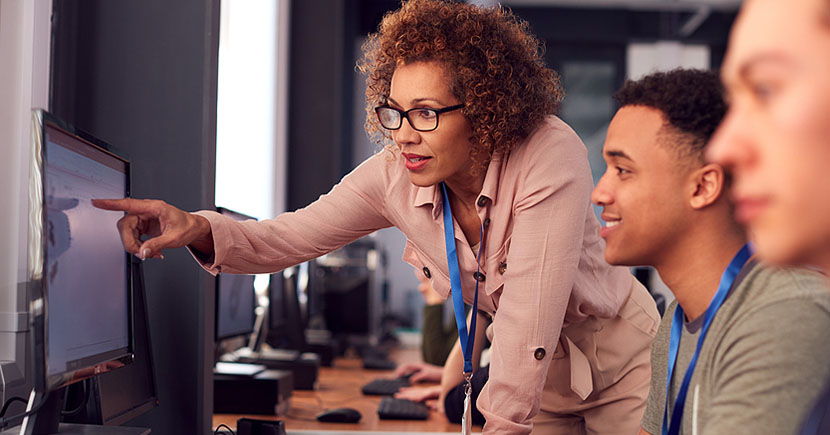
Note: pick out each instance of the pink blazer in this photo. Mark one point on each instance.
(542, 261)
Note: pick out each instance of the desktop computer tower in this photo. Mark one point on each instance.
(267, 393)
(304, 366)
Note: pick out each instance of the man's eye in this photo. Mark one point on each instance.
(762, 91)
(622, 171)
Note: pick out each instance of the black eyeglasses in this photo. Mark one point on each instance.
(421, 119)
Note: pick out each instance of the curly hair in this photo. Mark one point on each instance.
(494, 64)
(691, 101)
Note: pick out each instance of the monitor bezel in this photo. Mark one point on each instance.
(39, 294)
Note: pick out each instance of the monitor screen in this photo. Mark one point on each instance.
(235, 299)
(287, 329)
(86, 274)
(235, 305)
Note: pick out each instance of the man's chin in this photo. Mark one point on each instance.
(616, 258)
(783, 250)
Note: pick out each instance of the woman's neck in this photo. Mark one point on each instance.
(465, 187)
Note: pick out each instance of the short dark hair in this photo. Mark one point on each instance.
(691, 101)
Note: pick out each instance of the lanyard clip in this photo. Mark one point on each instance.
(468, 387)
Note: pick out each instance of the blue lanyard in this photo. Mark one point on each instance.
(455, 285)
(726, 281)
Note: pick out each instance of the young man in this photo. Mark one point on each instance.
(747, 341)
(776, 137)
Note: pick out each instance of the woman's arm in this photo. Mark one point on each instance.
(353, 208)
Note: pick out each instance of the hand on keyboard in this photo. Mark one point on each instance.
(425, 395)
(385, 387)
(420, 372)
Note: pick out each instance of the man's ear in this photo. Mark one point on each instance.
(707, 182)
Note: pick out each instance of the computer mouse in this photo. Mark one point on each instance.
(339, 415)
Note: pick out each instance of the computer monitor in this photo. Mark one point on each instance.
(235, 298)
(116, 397)
(80, 275)
(287, 329)
(276, 304)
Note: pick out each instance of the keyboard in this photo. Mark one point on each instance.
(385, 387)
(402, 409)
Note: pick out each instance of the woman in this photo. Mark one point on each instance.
(461, 96)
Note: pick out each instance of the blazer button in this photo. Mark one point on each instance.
(482, 201)
(426, 273)
(502, 267)
(486, 222)
(539, 354)
(479, 277)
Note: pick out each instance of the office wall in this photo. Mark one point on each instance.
(24, 84)
(142, 76)
(317, 148)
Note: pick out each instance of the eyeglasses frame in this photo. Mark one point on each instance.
(405, 114)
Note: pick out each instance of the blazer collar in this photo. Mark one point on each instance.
(432, 195)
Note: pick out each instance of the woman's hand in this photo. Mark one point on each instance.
(166, 226)
(427, 395)
(420, 372)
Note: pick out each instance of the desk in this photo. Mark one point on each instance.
(339, 387)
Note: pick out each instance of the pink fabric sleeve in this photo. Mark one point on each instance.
(352, 209)
(549, 219)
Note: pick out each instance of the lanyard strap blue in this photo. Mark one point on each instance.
(726, 281)
(455, 285)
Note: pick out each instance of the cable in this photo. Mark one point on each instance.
(5, 421)
(218, 432)
(9, 402)
(82, 405)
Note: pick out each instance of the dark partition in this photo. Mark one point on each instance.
(142, 75)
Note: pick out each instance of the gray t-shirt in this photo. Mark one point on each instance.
(764, 361)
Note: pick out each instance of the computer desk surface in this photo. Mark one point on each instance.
(339, 387)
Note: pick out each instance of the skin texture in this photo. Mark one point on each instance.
(776, 136)
(424, 85)
(167, 227)
(638, 191)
